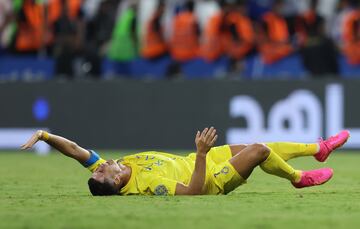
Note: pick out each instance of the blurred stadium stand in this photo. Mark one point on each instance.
(106, 39)
(33, 68)
(346, 70)
(26, 68)
(287, 68)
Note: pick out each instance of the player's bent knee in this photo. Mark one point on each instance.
(261, 151)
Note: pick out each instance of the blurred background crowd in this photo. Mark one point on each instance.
(90, 38)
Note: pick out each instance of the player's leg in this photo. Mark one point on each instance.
(258, 154)
(288, 150)
(235, 149)
(320, 150)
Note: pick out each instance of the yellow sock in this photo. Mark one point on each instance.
(289, 150)
(275, 165)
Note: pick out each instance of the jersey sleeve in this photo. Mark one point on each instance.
(161, 186)
(94, 161)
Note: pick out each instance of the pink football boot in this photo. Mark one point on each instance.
(331, 144)
(314, 177)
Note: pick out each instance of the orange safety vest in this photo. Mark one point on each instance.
(238, 49)
(351, 41)
(277, 28)
(31, 34)
(275, 44)
(211, 45)
(154, 44)
(184, 44)
(55, 8)
(306, 18)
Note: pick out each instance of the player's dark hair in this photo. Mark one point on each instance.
(101, 189)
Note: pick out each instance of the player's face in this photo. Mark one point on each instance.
(107, 171)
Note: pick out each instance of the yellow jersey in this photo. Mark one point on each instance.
(157, 173)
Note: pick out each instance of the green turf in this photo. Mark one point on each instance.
(51, 192)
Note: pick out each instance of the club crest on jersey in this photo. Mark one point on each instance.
(225, 170)
(161, 190)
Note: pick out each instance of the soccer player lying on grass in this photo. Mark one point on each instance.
(211, 170)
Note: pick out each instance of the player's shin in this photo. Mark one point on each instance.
(275, 165)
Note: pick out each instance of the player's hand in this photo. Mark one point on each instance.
(33, 140)
(205, 140)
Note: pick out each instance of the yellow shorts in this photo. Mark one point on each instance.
(220, 172)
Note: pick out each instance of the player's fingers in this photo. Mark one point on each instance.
(197, 135)
(212, 135)
(209, 134)
(209, 131)
(214, 140)
(204, 132)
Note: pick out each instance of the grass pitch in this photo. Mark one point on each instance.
(51, 192)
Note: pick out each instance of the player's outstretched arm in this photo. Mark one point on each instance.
(63, 145)
(204, 142)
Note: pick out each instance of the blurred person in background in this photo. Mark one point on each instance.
(68, 31)
(350, 43)
(124, 44)
(33, 30)
(256, 8)
(184, 41)
(211, 47)
(337, 21)
(154, 44)
(238, 33)
(274, 38)
(100, 20)
(290, 10)
(229, 32)
(7, 18)
(318, 52)
(90, 8)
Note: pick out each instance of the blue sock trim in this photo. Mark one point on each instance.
(94, 157)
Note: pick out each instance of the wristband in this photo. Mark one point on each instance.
(44, 136)
(94, 157)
